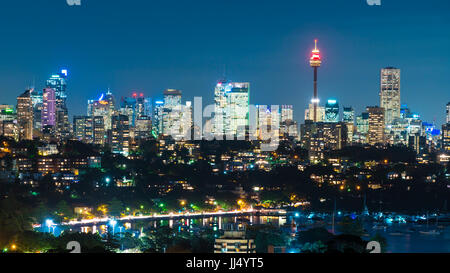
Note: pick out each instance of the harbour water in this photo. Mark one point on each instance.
(401, 237)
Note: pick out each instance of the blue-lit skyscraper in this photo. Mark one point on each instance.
(332, 111)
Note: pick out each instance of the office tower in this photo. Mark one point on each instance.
(446, 137)
(186, 120)
(7, 113)
(37, 99)
(120, 135)
(157, 121)
(288, 125)
(348, 115)
(143, 127)
(362, 123)
(318, 137)
(315, 62)
(287, 112)
(390, 94)
(332, 111)
(104, 106)
(231, 108)
(25, 115)
(349, 119)
(376, 125)
(48, 114)
(448, 112)
(268, 122)
(320, 112)
(136, 107)
(172, 113)
(57, 82)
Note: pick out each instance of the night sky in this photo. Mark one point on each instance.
(149, 46)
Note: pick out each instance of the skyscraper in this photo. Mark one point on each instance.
(172, 113)
(320, 112)
(376, 125)
(446, 137)
(25, 115)
(390, 94)
(348, 115)
(36, 98)
(448, 112)
(104, 106)
(231, 108)
(57, 82)
(48, 114)
(315, 62)
(157, 120)
(287, 113)
(332, 111)
(83, 129)
(349, 120)
(362, 123)
(120, 135)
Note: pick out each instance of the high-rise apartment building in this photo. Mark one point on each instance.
(318, 137)
(376, 125)
(25, 115)
(120, 135)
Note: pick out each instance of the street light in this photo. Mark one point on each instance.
(49, 223)
(113, 224)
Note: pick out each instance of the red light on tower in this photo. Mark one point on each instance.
(315, 60)
(134, 95)
(141, 95)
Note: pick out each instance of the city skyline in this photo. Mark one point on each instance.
(272, 68)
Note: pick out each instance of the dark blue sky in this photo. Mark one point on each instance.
(148, 46)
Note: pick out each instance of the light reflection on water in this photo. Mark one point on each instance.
(399, 237)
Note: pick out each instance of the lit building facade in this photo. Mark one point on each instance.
(104, 106)
(448, 112)
(48, 108)
(320, 113)
(390, 94)
(376, 125)
(446, 137)
(120, 135)
(332, 111)
(349, 119)
(58, 82)
(318, 137)
(231, 108)
(25, 116)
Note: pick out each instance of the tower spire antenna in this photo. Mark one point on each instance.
(315, 63)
